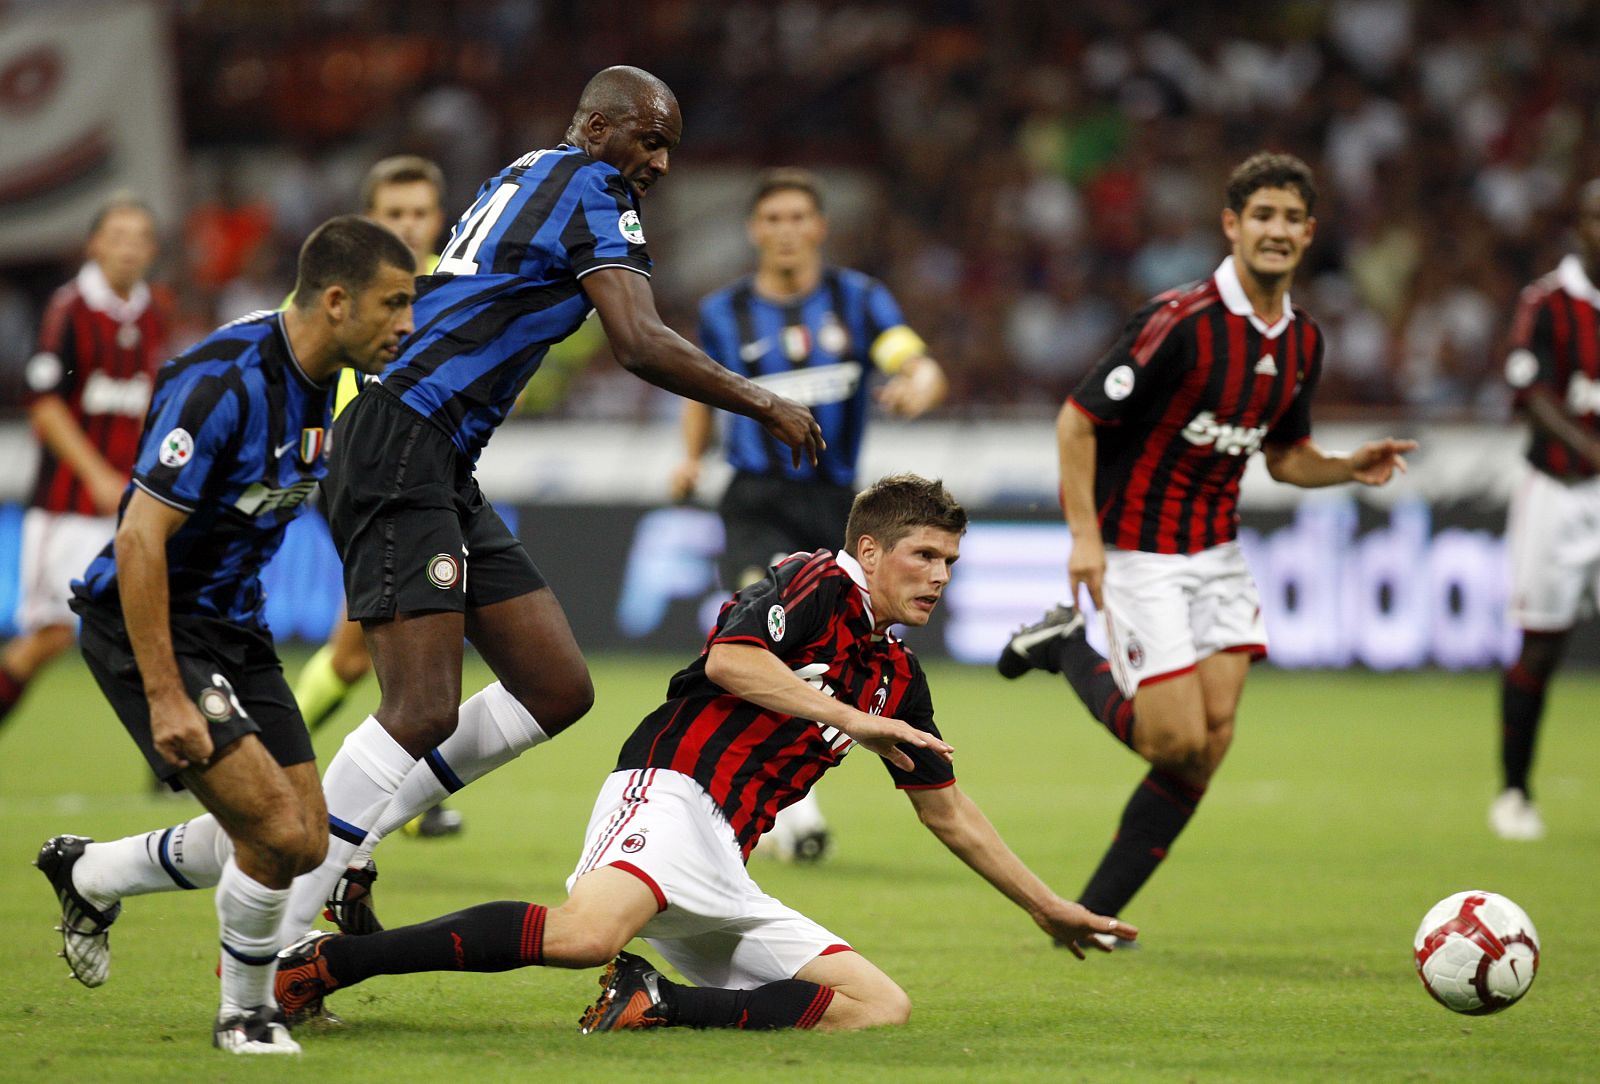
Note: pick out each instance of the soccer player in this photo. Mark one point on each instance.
(1152, 445)
(814, 332)
(427, 561)
(88, 387)
(406, 193)
(1554, 520)
(799, 668)
(172, 616)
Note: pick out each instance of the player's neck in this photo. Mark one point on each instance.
(1265, 295)
(313, 346)
(783, 283)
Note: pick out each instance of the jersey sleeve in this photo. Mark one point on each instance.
(1145, 358)
(53, 370)
(1295, 423)
(186, 440)
(786, 610)
(604, 230)
(1532, 360)
(893, 343)
(929, 770)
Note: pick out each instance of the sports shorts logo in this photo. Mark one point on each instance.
(633, 844)
(1135, 653)
(1119, 383)
(177, 448)
(215, 703)
(777, 622)
(630, 227)
(443, 571)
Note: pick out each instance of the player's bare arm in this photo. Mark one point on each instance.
(1549, 415)
(959, 824)
(1309, 467)
(757, 675)
(67, 441)
(654, 352)
(1075, 444)
(179, 731)
(917, 388)
(696, 428)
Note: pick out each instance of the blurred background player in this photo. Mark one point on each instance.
(88, 387)
(1152, 446)
(173, 623)
(813, 332)
(1553, 524)
(406, 193)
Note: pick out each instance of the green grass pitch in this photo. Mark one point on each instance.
(1277, 937)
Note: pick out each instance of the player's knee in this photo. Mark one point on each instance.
(1173, 750)
(560, 700)
(589, 946)
(885, 1005)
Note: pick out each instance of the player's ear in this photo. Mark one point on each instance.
(1230, 224)
(337, 302)
(868, 552)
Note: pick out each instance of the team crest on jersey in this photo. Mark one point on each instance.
(631, 228)
(1135, 652)
(633, 844)
(1522, 368)
(777, 622)
(310, 445)
(1119, 383)
(832, 336)
(177, 448)
(128, 336)
(443, 571)
(796, 339)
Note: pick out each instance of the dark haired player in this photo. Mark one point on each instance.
(172, 617)
(799, 669)
(1152, 446)
(816, 333)
(1554, 520)
(552, 238)
(88, 386)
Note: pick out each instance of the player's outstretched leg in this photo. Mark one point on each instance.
(634, 995)
(85, 936)
(1057, 644)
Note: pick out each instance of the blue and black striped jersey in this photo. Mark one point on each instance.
(234, 437)
(506, 288)
(818, 350)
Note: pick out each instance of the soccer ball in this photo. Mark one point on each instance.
(1476, 952)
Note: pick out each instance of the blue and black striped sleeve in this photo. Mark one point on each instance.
(186, 437)
(604, 230)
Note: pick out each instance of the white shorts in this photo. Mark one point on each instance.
(714, 925)
(1554, 536)
(1167, 611)
(57, 548)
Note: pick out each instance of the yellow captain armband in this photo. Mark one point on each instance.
(895, 347)
(349, 385)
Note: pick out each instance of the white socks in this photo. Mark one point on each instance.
(493, 728)
(359, 785)
(249, 914)
(187, 855)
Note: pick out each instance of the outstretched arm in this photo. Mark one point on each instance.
(1305, 465)
(960, 825)
(654, 352)
(1077, 452)
(757, 675)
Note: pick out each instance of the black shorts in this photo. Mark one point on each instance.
(765, 518)
(231, 671)
(409, 521)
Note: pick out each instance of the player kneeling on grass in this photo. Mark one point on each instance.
(798, 670)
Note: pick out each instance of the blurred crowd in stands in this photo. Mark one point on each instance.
(1028, 171)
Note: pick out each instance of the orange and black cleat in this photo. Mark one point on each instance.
(630, 998)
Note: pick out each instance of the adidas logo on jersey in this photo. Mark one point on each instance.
(1267, 366)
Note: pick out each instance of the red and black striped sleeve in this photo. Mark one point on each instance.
(930, 771)
(788, 609)
(1532, 361)
(53, 369)
(1294, 424)
(1145, 358)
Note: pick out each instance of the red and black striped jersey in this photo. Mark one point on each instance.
(1196, 383)
(1555, 344)
(813, 612)
(99, 353)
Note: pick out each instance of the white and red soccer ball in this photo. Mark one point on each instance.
(1476, 952)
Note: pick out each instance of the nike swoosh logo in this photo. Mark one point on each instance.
(279, 453)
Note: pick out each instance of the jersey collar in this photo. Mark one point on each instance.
(853, 569)
(97, 293)
(1232, 291)
(1575, 281)
(294, 362)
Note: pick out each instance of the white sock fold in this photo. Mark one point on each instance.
(187, 855)
(359, 784)
(250, 915)
(492, 728)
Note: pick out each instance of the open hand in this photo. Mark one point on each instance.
(792, 424)
(1072, 923)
